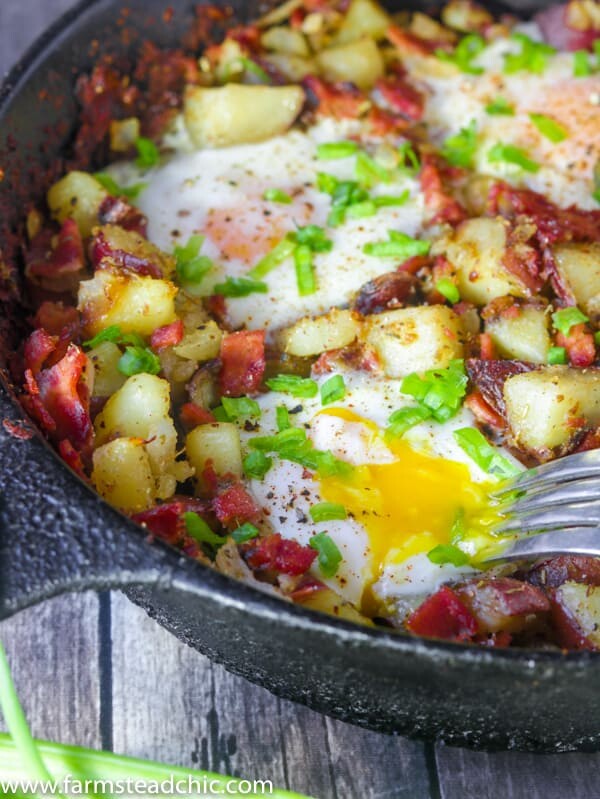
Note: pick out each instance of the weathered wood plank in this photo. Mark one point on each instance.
(53, 653)
(513, 775)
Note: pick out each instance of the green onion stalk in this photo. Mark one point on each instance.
(25, 761)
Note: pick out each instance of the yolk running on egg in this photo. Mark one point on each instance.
(409, 506)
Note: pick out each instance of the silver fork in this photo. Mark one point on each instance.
(552, 509)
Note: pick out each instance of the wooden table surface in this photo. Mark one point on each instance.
(96, 671)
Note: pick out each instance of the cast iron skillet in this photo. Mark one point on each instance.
(56, 535)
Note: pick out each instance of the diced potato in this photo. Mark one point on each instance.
(201, 344)
(524, 337)
(123, 134)
(107, 378)
(140, 409)
(466, 16)
(578, 617)
(117, 238)
(311, 336)
(177, 371)
(122, 475)
(579, 264)
(425, 27)
(218, 443)
(293, 67)
(363, 18)
(546, 407)
(415, 339)
(234, 114)
(359, 62)
(285, 40)
(190, 310)
(77, 196)
(137, 304)
(279, 13)
(328, 601)
(475, 249)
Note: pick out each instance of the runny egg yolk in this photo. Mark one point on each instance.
(410, 505)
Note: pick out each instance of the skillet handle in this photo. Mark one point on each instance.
(56, 535)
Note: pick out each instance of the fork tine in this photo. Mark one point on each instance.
(573, 541)
(547, 496)
(580, 465)
(585, 514)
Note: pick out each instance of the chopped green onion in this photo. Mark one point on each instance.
(333, 390)
(112, 187)
(327, 512)
(256, 464)
(361, 210)
(500, 107)
(460, 149)
(220, 414)
(581, 64)
(244, 64)
(311, 236)
(509, 154)
(448, 289)
(564, 319)
(409, 160)
(484, 454)
(272, 259)
(241, 408)
(305, 273)
(327, 183)
(448, 553)
(399, 246)
(597, 337)
(277, 196)
(532, 57)
(337, 149)
(402, 420)
(283, 418)
(136, 360)
(293, 445)
(440, 391)
(245, 532)
(294, 385)
(388, 200)
(329, 557)
(111, 333)
(240, 287)
(199, 530)
(369, 172)
(557, 355)
(192, 267)
(549, 128)
(148, 155)
(468, 48)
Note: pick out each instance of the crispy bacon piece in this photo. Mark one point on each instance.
(522, 259)
(38, 347)
(490, 376)
(72, 458)
(504, 604)
(278, 554)
(54, 255)
(553, 224)
(556, 571)
(402, 97)
(101, 248)
(163, 75)
(567, 630)
(483, 411)
(580, 346)
(234, 504)
(60, 399)
(390, 290)
(242, 362)
(117, 211)
(357, 357)
(192, 415)
(167, 335)
(442, 206)
(384, 123)
(166, 522)
(590, 440)
(408, 43)
(443, 615)
(486, 346)
(55, 318)
(338, 100)
(307, 588)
